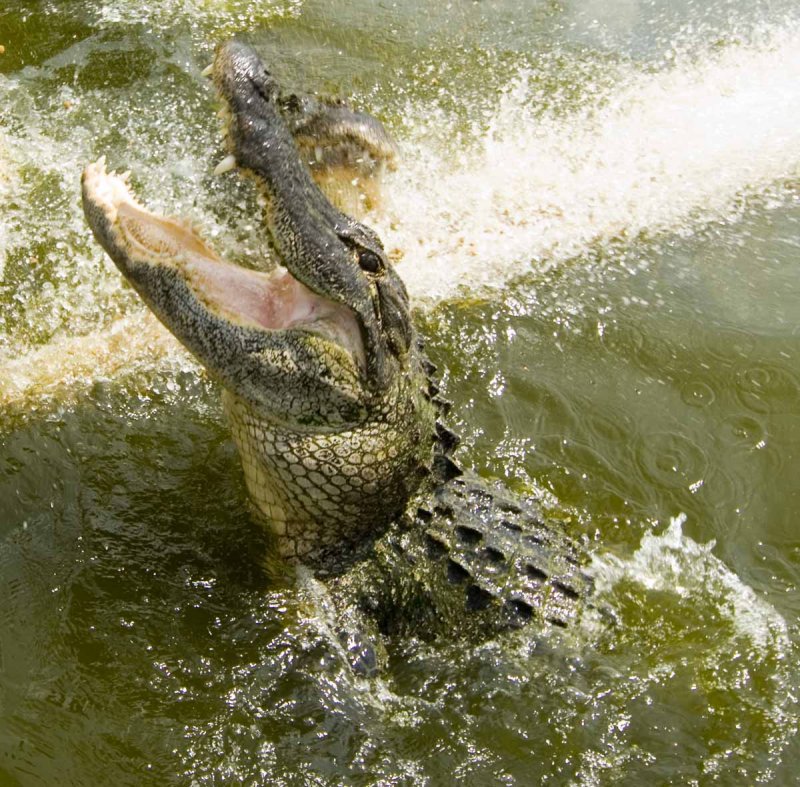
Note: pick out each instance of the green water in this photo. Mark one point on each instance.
(638, 368)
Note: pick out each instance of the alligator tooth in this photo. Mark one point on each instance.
(208, 70)
(226, 165)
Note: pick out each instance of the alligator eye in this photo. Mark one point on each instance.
(370, 261)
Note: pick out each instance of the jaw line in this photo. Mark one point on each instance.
(274, 301)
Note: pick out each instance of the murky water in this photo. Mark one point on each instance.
(598, 211)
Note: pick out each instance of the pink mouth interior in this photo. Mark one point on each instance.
(272, 301)
(275, 301)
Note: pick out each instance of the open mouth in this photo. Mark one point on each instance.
(274, 301)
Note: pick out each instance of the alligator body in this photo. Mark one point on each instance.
(330, 397)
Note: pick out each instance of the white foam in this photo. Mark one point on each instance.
(7, 178)
(244, 13)
(675, 563)
(657, 153)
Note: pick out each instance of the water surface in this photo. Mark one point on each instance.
(597, 212)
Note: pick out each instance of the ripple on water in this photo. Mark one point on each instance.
(655, 355)
(596, 466)
(729, 345)
(621, 338)
(743, 431)
(546, 410)
(606, 430)
(672, 459)
(697, 393)
(729, 491)
(767, 388)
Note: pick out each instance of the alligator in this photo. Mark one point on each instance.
(331, 400)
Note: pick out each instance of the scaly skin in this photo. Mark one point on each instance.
(327, 408)
(329, 396)
(323, 492)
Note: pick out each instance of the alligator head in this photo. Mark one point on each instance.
(345, 150)
(322, 384)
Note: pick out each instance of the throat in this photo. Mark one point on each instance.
(323, 494)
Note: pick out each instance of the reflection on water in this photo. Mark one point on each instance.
(598, 209)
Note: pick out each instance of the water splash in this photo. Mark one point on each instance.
(690, 631)
(660, 152)
(675, 563)
(68, 365)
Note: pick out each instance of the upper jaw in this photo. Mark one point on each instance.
(329, 252)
